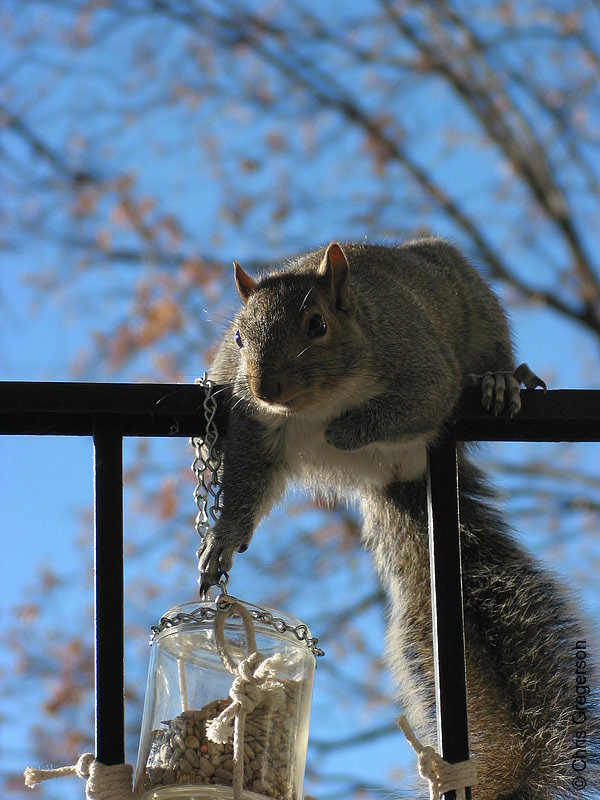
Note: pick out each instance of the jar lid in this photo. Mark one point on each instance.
(205, 612)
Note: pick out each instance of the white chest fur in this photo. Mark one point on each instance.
(309, 457)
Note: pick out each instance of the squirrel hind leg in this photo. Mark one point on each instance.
(500, 390)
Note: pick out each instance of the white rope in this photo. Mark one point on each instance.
(442, 776)
(254, 684)
(183, 687)
(102, 782)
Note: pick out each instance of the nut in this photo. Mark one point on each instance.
(182, 754)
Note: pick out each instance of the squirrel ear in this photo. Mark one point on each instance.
(245, 284)
(334, 269)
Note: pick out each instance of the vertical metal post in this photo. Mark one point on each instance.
(446, 604)
(108, 590)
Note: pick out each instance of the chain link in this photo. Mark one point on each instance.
(207, 614)
(201, 615)
(207, 463)
(300, 631)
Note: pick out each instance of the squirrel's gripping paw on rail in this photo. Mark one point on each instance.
(500, 390)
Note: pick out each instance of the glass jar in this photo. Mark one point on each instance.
(194, 663)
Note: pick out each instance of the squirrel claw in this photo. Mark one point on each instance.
(528, 378)
(215, 555)
(213, 562)
(502, 389)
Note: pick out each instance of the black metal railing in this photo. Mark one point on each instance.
(109, 412)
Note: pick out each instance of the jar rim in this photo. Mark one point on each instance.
(202, 611)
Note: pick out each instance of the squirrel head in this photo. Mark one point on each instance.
(293, 331)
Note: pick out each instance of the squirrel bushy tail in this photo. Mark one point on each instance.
(521, 638)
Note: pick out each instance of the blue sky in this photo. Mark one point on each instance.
(45, 483)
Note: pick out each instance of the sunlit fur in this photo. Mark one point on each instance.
(351, 414)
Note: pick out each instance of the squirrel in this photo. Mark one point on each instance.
(339, 371)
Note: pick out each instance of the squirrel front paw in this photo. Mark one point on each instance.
(215, 556)
(344, 433)
(502, 389)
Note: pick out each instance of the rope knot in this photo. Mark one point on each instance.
(429, 763)
(247, 668)
(246, 695)
(254, 684)
(442, 776)
(34, 776)
(102, 782)
(84, 765)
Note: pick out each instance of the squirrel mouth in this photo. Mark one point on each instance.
(281, 405)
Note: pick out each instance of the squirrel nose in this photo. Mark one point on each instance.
(267, 387)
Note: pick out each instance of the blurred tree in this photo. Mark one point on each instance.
(146, 142)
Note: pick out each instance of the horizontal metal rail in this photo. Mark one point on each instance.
(167, 409)
(63, 409)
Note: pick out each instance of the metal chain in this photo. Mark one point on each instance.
(207, 493)
(207, 614)
(301, 631)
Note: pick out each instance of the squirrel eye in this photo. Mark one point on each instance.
(238, 339)
(317, 326)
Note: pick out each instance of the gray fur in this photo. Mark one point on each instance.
(351, 412)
